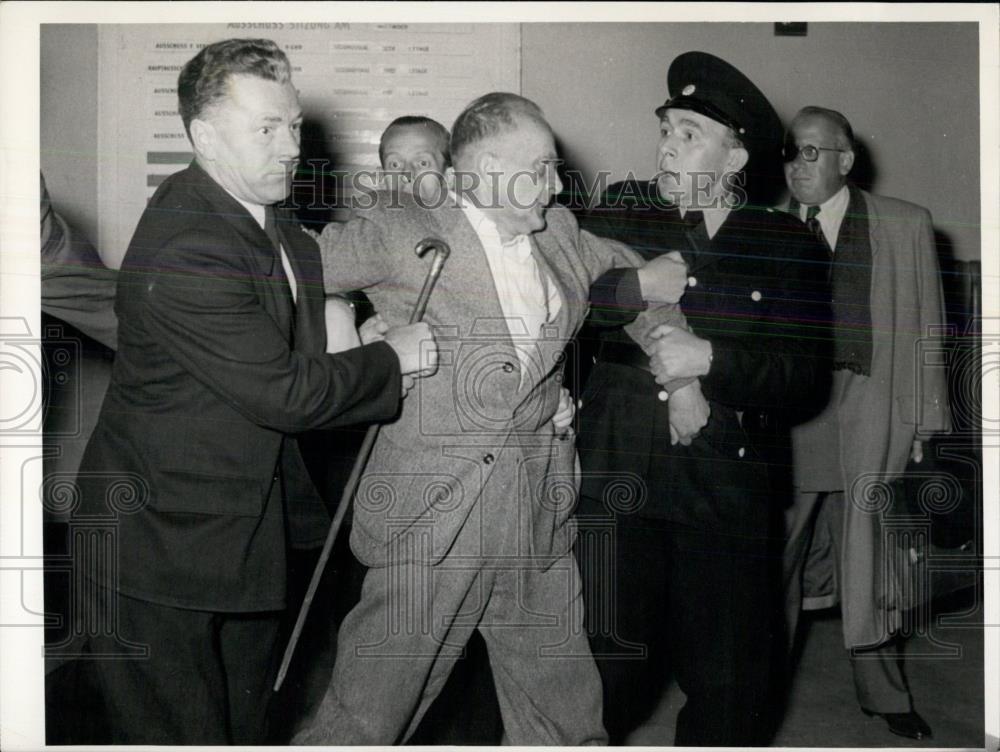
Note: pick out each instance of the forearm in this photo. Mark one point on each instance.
(616, 298)
(204, 309)
(353, 255)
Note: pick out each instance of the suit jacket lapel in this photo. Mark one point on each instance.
(229, 210)
(310, 333)
(552, 261)
(469, 270)
(470, 277)
(874, 228)
(254, 244)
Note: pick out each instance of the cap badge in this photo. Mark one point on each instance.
(688, 90)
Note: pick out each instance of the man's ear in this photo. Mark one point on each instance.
(490, 169)
(203, 138)
(737, 160)
(487, 164)
(845, 161)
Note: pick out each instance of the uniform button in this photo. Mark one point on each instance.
(488, 459)
(662, 396)
(692, 281)
(755, 296)
(579, 404)
(508, 367)
(741, 452)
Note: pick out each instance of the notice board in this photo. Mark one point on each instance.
(353, 79)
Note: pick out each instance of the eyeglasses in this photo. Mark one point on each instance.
(809, 152)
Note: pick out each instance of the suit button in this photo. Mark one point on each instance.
(488, 459)
(741, 452)
(662, 396)
(692, 281)
(755, 296)
(508, 367)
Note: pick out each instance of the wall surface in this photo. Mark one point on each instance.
(911, 91)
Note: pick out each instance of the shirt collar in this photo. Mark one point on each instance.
(713, 218)
(483, 225)
(833, 209)
(257, 211)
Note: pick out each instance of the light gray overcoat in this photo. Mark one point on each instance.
(877, 418)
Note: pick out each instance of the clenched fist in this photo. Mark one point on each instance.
(415, 347)
(664, 278)
(689, 413)
(678, 354)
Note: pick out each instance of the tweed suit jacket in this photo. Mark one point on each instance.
(217, 371)
(479, 431)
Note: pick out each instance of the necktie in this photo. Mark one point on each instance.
(691, 219)
(812, 221)
(271, 228)
(278, 274)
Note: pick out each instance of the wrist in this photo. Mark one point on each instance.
(642, 276)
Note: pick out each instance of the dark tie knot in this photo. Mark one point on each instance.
(813, 223)
(691, 219)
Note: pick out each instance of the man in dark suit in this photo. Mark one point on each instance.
(675, 521)
(886, 398)
(194, 462)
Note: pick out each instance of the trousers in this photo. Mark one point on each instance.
(397, 647)
(879, 680)
(205, 680)
(668, 599)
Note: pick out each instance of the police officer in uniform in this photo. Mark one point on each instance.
(676, 542)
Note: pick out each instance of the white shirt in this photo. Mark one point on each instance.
(258, 211)
(528, 298)
(831, 214)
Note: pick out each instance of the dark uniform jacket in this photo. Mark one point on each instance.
(757, 291)
(217, 370)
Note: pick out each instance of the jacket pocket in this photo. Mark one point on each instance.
(208, 494)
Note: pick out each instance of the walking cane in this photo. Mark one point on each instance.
(441, 252)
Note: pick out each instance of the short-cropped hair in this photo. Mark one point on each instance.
(490, 116)
(831, 116)
(435, 128)
(204, 78)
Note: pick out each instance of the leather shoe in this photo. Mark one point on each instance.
(910, 725)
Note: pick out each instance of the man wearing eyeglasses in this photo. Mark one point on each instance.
(887, 306)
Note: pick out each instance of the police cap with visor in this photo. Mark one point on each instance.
(710, 86)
